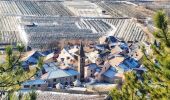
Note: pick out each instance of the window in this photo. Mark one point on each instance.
(39, 85)
(91, 70)
(62, 59)
(76, 57)
(82, 59)
(43, 71)
(66, 83)
(68, 58)
(54, 80)
(26, 86)
(75, 77)
(54, 85)
(49, 85)
(71, 83)
(91, 75)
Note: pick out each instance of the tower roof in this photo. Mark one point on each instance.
(82, 54)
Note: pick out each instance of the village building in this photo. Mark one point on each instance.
(30, 58)
(65, 77)
(37, 84)
(73, 65)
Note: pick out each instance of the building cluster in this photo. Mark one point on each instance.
(81, 65)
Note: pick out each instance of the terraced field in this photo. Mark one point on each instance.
(32, 8)
(38, 23)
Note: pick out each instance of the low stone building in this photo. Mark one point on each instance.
(112, 76)
(35, 84)
(65, 77)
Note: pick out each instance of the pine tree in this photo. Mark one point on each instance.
(161, 22)
(33, 95)
(12, 74)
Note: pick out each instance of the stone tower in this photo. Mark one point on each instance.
(81, 62)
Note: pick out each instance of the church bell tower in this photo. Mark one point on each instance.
(81, 62)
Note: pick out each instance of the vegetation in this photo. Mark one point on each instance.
(12, 73)
(33, 95)
(14, 96)
(161, 22)
(155, 82)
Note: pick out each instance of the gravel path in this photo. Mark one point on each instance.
(67, 96)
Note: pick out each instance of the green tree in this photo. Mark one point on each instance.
(33, 95)
(11, 71)
(116, 95)
(161, 22)
(20, 96)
